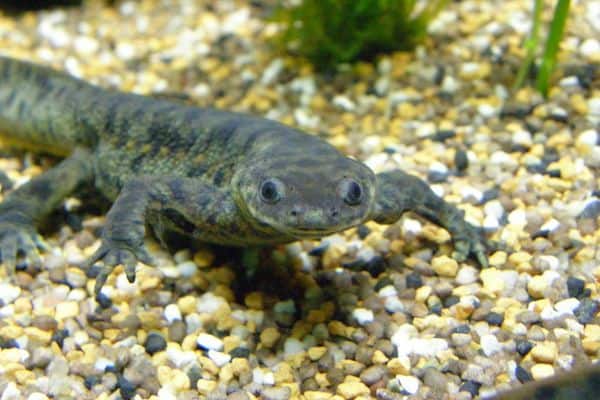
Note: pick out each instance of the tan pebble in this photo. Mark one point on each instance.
(436, 234)
(519, 257)
(586, 254)
(204, 258)
(205, 386)
(399, 365)
(350, 390)
(464, 310)
(541, 371)
(498, 259)
(444, 266)
(545, 352)
(337, 328)
(180, 380)
(423, 293)
(230, 343)
(67, 309)
(226, 373)
(269, 337)
(316, 316)
(38, 335)
(22, 305)
(189, 343)
(537, 286)
(239, 366)
(379, 357)
(283, 373)
(11, 331)
(492, 280)
(592, 332)
(208, 365)
(316, 352)
(187, 304)
(591, 346)
(321, 379)
(316, 395)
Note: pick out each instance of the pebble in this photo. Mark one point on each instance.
(445, 266)
(65, 310)
(8, 293)
(490, 345)
(276, 393)
(269, 337)
(541, 371)
(363, 316)
(409, 383)
(155, 343)
(350, 390)
(545, 352)
(209, 342)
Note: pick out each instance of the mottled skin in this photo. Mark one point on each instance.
(220, 177)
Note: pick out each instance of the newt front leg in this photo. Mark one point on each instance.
(186, 205)
(398, 192)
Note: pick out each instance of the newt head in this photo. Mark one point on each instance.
(305, 195)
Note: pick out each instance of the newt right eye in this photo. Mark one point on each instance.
(271, 190)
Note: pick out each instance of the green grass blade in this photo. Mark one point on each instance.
(557, 28)
(530, 44)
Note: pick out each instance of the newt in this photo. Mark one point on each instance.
(220, 177)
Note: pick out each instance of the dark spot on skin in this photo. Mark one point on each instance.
(42, 188)
(178, 220)
(178, 191)
(218, 177)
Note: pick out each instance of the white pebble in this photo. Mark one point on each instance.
(594, 107)
(272, 71)
(371, 144)
(172, 313)
(387, 291)
(9, 293)
(471, 193)
(490, 223)
(550, 225)
(363, 316)
(411, 226)
(209, 303)
(292, 346)
(209, 342)
(494, 208)
(86, 45)
(517, 217)
(467, 275)
(551, 262)
(376, 161)
(393, 304)
(102, 363)
(490, 345)
(125, 51)
(11, 392)
(219, 357)
(344, 103)
(569, 82)
(522, 137)
(187, 269)
(425, 129)
(488, 110)
(567, 306)
(437, 166)
(167, 392)
(202, 89)
(450, 84)
(262, 377)
(502, 158)
(409, 383)
(37, 396)
(181, 359)
(590, 49)
(305, 118)
(588, 138)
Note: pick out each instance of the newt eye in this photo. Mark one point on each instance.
(271, 190)
(351, 191)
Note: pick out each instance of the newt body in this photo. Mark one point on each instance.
(220, 177)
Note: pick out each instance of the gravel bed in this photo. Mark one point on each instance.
(374, 312)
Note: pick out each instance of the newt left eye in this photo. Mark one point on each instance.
(351, 191)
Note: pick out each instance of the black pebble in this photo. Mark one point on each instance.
(414, 280)
(443, 135)
(596, 193)
(126, 388)
(91, 380)
(8, 344)
(363, 231)
(524, 347)
(240, 352)
(319, 250)
(155, 343)
(461, 162)
(586, 311)
(575, 286)
(436, 308)
(592, 210)
(437, 176)
(471, 387)
(490, 194)
(103, 300)
(450, 301)
(522, 374)
(462, 329)
(516, 110)
(383, 282)
(553, 173)
(5, 182)
(59, 336)
(494, 318)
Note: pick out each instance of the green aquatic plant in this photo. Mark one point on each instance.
(550, 52)
(330, 32)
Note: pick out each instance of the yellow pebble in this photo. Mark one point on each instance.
(239, 366)
(545, 352)
(541, 371)
(350, 390)
(316, 352)
(254, 300)
(445, 266)
(65, 310)
(269, 337)
(205, 386)
(316, 395)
